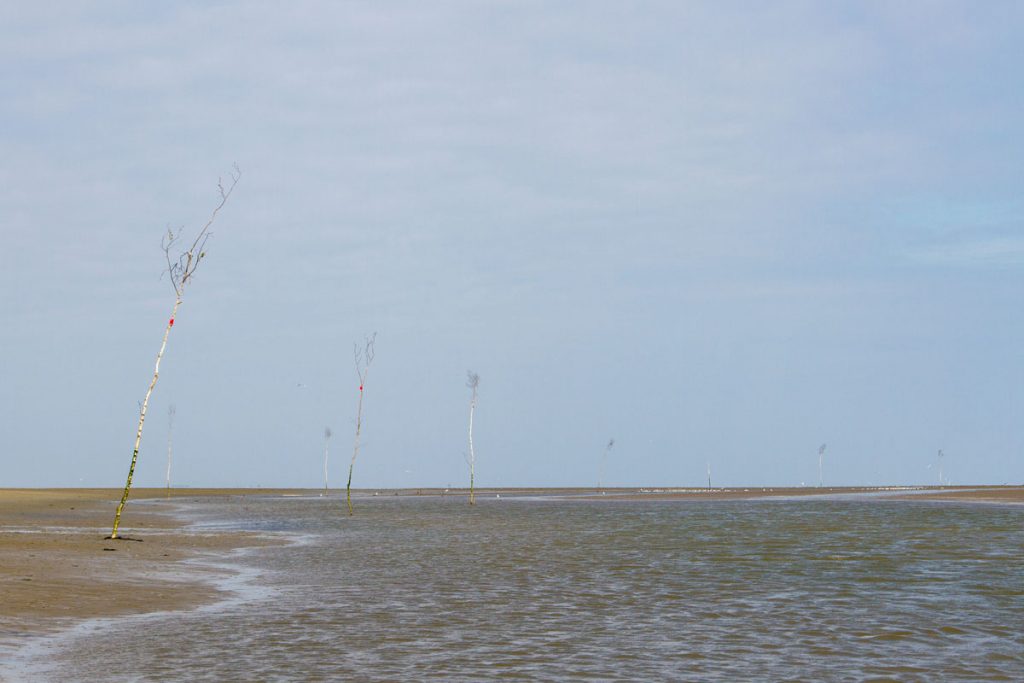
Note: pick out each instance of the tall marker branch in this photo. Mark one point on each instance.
(180, 269)
(363, 358)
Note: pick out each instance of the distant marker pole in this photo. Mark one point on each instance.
(363, 357)
(355, 451)
(473, 382)
(170, 431)
(821, 456)
(604, 460)
(327, 440)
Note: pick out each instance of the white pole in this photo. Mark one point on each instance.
(327, 439)
(170, 429)
(821, 457)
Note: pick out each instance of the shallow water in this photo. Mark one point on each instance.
(414, 588)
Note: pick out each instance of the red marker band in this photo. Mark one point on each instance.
(171, 323)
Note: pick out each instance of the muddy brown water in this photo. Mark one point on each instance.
(547, 589)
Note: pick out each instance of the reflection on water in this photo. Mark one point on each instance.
(727, 590)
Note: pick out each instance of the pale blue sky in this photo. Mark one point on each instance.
(721, 232)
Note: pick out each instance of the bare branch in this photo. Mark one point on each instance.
(166, 242)
(370, 340)
(364, 356)
(188, 261)
(224, 195)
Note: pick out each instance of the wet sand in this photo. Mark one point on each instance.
(56, 566)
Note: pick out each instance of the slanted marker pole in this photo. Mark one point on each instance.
(363, 359)
(180, 270)
(142, 419)
(355, 451)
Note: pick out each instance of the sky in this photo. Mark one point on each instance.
(722, 234)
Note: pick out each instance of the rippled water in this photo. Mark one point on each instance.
(414, 588)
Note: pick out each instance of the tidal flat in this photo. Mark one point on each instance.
(669, 584)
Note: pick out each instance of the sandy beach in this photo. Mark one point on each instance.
(56, 566)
